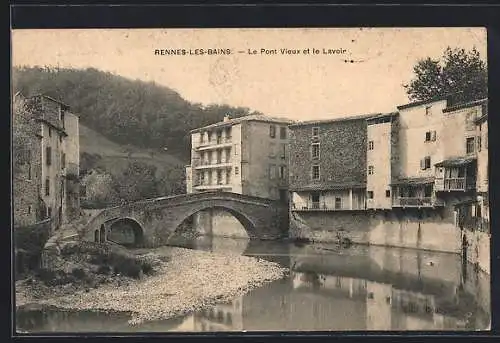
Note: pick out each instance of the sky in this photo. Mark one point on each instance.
(300, 86)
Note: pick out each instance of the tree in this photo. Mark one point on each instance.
(459, 72)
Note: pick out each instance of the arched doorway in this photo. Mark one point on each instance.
(127, 232)
(102, 234)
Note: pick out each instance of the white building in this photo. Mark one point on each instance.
(246, 155)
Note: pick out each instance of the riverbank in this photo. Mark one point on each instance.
(187, 281)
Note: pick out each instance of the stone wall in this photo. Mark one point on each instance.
(478, 251)
(427, 230)
(342, 153)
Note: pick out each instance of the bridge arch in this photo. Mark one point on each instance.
(247, 223)
(126, 231)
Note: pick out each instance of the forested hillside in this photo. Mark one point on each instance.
(129, 112)
(134, 135)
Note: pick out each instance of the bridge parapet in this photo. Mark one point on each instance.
(265, 214)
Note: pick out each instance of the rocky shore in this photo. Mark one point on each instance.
(186, 281)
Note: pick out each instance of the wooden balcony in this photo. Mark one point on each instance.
(455, 184)
(416, 202)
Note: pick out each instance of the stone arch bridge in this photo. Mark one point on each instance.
(154, 221)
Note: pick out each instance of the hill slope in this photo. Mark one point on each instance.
(114, 157)
(126, 111)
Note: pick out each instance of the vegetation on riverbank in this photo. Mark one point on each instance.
(81, 266)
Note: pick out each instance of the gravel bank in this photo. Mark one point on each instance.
(190, 281)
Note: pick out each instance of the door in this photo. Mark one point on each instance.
(315, 200)
(283, 195)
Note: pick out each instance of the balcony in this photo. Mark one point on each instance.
(214, 186)
(214, 164)
(460, 184)
(417, 202)
(323, 206)
(219, 142)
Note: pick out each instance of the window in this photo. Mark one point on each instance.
(201, 177)
(428, 191)
(272, 131)
(202, 137)
(272, 171)
(29, 170)
(315, 131)
(47, 187)
(370, 145)
(338, 203)
(29, 209)
(469, 145)
(50, 132)
(49, 212)
(387, 193)
(228, 177)
(479, 143)
(272, 150)
(282, 172)
(63, 160)
(209, 136)
(236, 170)
(48, 155)
(425, 163)
(283, 132)
(219, 177)
(369, 194)
(428, 110)
(283, 151)
(315, 150)
(315, 172)
(370, 170)
(430, 136)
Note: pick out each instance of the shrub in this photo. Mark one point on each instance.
(103, 269)
(147, 267)
(78, 273)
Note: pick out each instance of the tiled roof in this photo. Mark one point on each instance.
(326, 187)
(413, 181)
(457, 161)
(422, 102)
(253, 117)
(327, 121)
(466, 104)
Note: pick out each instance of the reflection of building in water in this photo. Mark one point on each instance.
(378, 306)
(221, 317)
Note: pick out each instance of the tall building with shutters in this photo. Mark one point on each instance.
(246, 155)
(46, 161)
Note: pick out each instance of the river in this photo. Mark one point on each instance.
(329, 289)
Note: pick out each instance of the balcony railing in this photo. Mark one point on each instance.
(475, 223)
(455, 184)
(416, 202)
(214, 142)
(323, 206)
(216, 163)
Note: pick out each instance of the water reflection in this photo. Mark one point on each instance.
(328, 289)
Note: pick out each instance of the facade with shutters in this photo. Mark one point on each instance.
(51, 167)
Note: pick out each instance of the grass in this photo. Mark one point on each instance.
(115, 157)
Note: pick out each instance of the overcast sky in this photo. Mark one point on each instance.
(300, 87)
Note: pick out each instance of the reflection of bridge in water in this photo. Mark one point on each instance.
(361, 288)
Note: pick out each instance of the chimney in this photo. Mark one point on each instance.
(226, 118)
